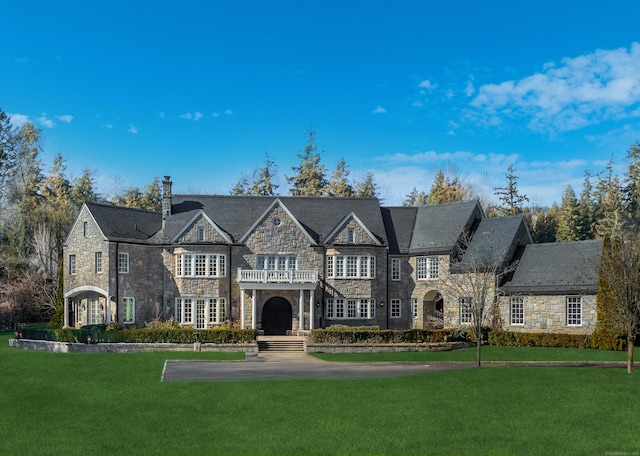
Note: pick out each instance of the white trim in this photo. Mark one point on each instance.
(264, 215)
(85, 288)
(190, 223)
(78, 220)
(340, 226)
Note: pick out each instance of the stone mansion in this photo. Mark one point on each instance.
(280, 264)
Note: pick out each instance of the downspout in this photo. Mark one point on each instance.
(387, 288)
(117, 284)
(230, 296)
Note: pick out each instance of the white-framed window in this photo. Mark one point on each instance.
(465, 311)
(351, 266)
(395, 269)
(200, 234)
(395, 308)
(123, 263)
(516, 310)
(277, 262)
(129, 310)
(574, 311)
(85, 228)
(200, 312)
(427, 268)
(352, 308)
(95, 312)
(98, 262)
(72, 264)
(201, 265)
(414, 307)
(351, 236)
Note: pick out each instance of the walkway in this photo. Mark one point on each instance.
(290, 365)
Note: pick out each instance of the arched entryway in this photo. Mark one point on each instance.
(433, 304)
(276, 317)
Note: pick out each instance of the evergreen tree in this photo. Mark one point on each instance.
(309, 178)
(610, 201)
(632, 183)
(511, 200)
(587, 209)
(339, 183)
(415, 199)
(263, 179)
(568, 219)
(367, 188)
(82, 190)
(546, 225)
(241, 187)
(151, 196)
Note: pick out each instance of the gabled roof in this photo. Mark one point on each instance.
(274, 203)
(236, 214)
(399, 223)
(340, 226)
(195, 217)
(558, 267)
(494, 242)
(125, 224)
(438, 228)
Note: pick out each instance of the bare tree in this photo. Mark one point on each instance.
(474, 276)
(619, 288)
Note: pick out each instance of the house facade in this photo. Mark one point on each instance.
(284, 264)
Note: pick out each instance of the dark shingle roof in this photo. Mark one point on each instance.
(125, 224)
(438, 228)
(399, 222)
(236, 214)
(560, 267)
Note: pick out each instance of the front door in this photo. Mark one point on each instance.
(276, 317)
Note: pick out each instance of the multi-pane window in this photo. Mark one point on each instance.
(516, 310)
(351, 236)
(128, 310)
(95, 312)
(427, 268)
(72, 264)
(574, 310)
(350, 308)
(414, 307)
(353, 267)
(98, 262)
(465, 311)
(201, 312)
(200, 234)
(395, 269)
(201, 265)
(123, 263)
(277, 262)
(395, 308)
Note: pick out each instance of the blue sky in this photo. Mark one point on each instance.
(200, 90)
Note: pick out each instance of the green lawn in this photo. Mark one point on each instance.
(94, 404)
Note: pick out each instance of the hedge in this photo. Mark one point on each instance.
(373, 335)
(521, 339)
(100, 334)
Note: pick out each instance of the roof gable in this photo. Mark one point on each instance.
(277, 220)
(188, 232)
(351, 221)
(125, 224)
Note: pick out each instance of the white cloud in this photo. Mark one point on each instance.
(132, 129)
(426, 84)
(18, 120)
(66, 118)
(109, 126)
(469, 89)
(215, 114)
(197, 115)
(161, 115)
(580, 91)
(46, 122)
(186, 115)
(379, 110)
(228, 112)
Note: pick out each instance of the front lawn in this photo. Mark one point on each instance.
(111, 403)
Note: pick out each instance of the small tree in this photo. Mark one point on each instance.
(620, 288)
(339, 184)
(511, 200)
(474, 276)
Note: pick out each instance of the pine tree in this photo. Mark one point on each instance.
(546, 225)
(309, 179)
(151, 196)
(511, 200)
(241, 187)
(415, 198)
(610, 201)
(263, 179)
(568, 218)
(587, 209)
(339, 184)
(82, 190)
(367, 188)
(632, 183)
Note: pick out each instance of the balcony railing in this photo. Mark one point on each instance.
(268, 276)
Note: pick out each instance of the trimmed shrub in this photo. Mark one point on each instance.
(520, 339)
(340, 334)
(602, 339)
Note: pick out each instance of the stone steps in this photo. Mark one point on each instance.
(284, 344)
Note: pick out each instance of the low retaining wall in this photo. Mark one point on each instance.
(384, 348)
(69, 347)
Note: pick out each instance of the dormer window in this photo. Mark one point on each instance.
(351, 236)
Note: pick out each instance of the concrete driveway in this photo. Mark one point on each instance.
(284, 365)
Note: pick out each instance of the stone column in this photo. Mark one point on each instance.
(301, 310)
(311, 309)
(66, 312)
(253, 309)
(107, 306)
(242, 306)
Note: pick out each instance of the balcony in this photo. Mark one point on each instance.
(264, 276)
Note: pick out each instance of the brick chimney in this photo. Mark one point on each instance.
(166, 199)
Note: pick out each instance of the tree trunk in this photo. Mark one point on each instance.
(629, 356)
(478, 345)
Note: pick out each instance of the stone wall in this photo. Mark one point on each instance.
(548, 314)
(68, 347)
